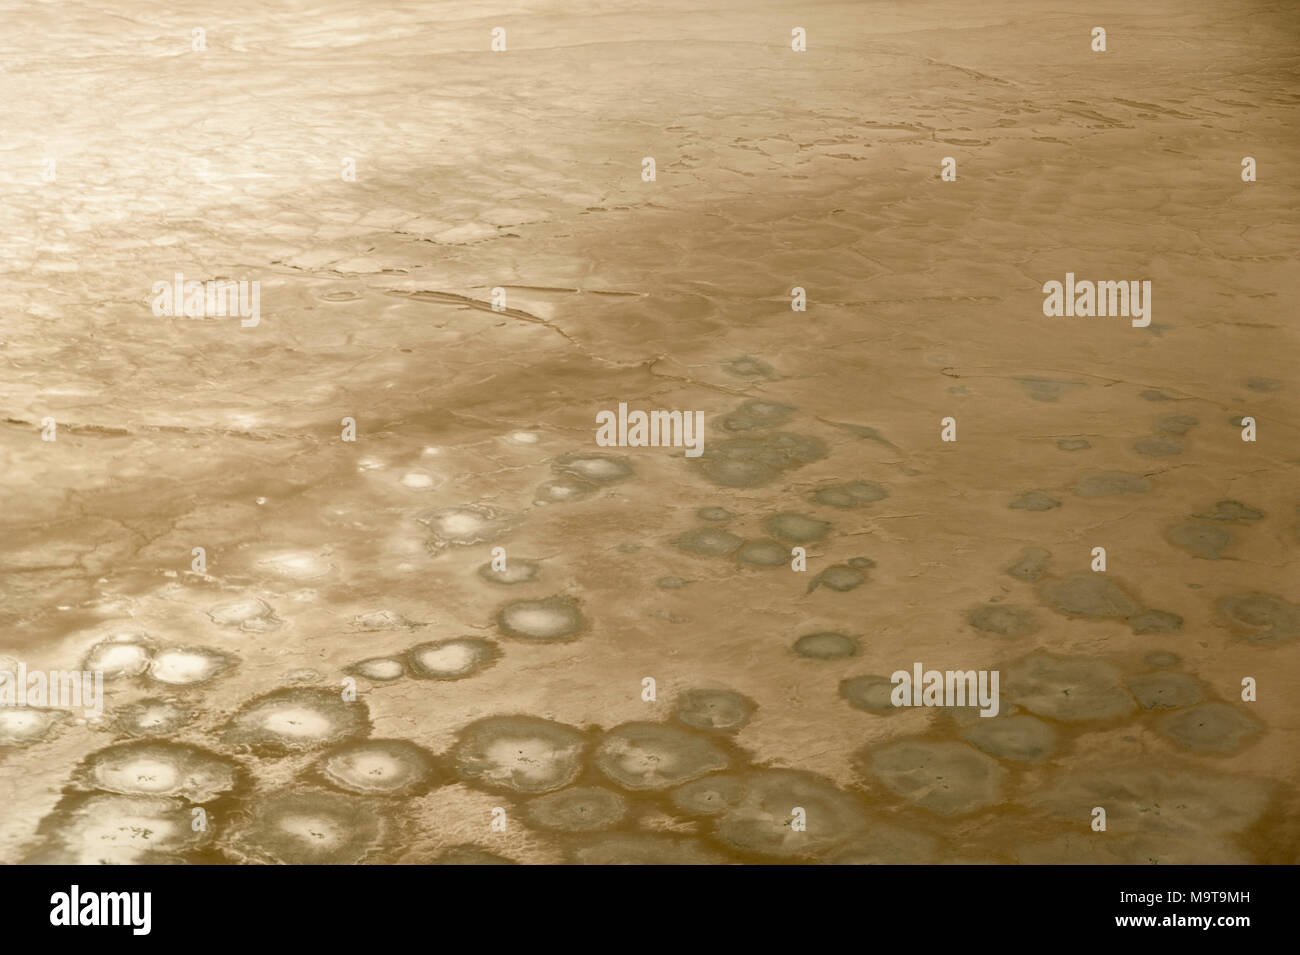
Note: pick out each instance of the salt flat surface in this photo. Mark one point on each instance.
(522, 171)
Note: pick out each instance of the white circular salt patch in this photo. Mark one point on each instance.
(369, 464)
(596, 467)
(297, 565)
(517, 572)
(141, 775)
(118, 659)
(538, 621)
(432, 452)
(184, 667)
(525, 437)
(377, 766)
(417, 481)
(381, 669)
(460, 523)
(20, 723)
(449, 658)
(298, 722)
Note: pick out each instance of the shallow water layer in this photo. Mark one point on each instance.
(473, 634)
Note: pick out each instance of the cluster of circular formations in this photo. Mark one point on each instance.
(294, 776)
(679, 791)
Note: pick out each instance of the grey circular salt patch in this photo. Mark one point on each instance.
(761, 820)
(861, 563)
(945, 778)
(756, 459)
(1022, 738)
(152, 718)
(1200, 540)
(1153, 447)
(838, 577)
(714, 514)
(755, 414)
(796, 528)
(1071, 689)
(1166, 690)
(735, 472)
(1087, 595)
(747, 366)
(1108, 483)
(1263, 384)
(380, 669)
(710, 795)
(1177, 424)
(1194, 803)
(709, 541)
(1162, 659)
(826, 645)
(545, 621)
(1034, 501)
(1230, 512)
(671, 583)
(1150, 394)
(452, 659)
(870, 693)
(522, 754)
(850, 494)
(764, 553)
(1004, 620)
(1131, 850)
(1073, 444)
(724, 710)
(577, 809)
(309, 828)
(639, 848)
(467, 853)
(1261, 618)
(654, 756)
(1211, 728)
(1030, 565)
(885, 844)
(1044, 389)
(518, 570)
(1155, 621)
